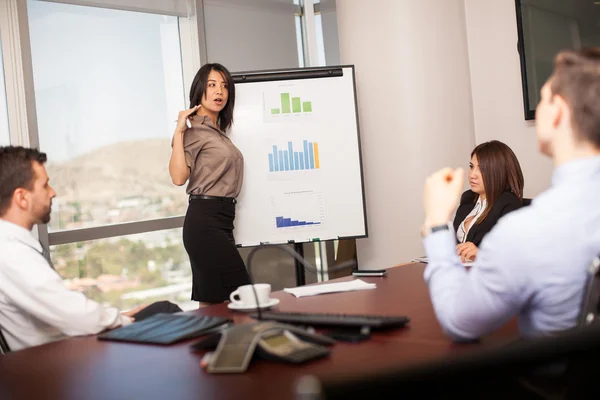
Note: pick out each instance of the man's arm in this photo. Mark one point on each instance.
(469, 304)
(39, 291)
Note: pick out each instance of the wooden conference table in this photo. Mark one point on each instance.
(85, 368)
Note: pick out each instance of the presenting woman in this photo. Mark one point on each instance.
(205, 157)
(496, 184)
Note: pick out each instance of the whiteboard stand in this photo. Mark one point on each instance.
(300, 274)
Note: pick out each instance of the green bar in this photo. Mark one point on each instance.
(307, 106)
(275, 111)
(285, 103)
(296, 105)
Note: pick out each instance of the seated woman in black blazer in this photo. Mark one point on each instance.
(496, 189)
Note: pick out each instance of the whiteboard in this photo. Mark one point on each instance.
(302, 161)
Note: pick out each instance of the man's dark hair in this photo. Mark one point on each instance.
(16, 171)
(198, 90)
(577, 79)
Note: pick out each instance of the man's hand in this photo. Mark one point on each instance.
(441, 196)
(467, 251)
(131, 313)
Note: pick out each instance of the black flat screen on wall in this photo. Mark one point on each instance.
(545, 27)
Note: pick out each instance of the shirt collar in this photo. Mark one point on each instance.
(579, 170)
(19, 233)
(481, 203)
(203, 120)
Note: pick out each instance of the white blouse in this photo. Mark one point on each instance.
(461, 233)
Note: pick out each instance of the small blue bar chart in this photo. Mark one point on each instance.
(288, 159)
(283, 222)
(302, 210)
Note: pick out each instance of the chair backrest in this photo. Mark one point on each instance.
(590, 307)
(4, 349)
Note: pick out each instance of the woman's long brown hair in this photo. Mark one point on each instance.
(500, 171)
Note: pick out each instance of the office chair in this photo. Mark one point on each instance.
(4, 349)
(491, 373)
(590, 307)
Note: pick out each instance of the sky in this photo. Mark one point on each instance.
(102, 76)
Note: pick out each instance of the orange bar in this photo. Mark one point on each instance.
(316, 145)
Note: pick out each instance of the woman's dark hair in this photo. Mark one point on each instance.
(500, 171)
(16, 171)
(198, 90)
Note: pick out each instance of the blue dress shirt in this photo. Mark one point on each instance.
(533, 264)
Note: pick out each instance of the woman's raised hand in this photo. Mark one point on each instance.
(183, 116)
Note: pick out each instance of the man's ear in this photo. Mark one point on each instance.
(21, 198)
(560, 111)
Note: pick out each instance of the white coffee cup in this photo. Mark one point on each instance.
(244, 295)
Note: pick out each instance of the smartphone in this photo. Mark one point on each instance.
(371, 272)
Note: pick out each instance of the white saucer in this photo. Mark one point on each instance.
(271, 303)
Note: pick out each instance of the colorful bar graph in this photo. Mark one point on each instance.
(290, 160)
(284, 222)
(291, 105)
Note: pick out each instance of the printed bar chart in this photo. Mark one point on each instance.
(298, 210)
(290, 160)
(284, 222)
(290, 105)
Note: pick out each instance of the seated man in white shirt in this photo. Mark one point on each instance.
(533, 263)
(35, 306)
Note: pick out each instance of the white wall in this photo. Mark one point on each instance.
(415, 110)
(496, 85)
(251, 35)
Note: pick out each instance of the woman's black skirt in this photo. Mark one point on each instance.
(217, 267)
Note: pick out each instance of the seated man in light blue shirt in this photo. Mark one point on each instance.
(533, 264)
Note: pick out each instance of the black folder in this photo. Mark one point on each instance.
(165, 329)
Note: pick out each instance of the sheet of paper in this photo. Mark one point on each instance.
(356, 284)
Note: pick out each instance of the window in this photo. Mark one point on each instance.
(299, 40)
(108, 87)
(4, 137)
(320, 44)
(128, 271)
(326, 29)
